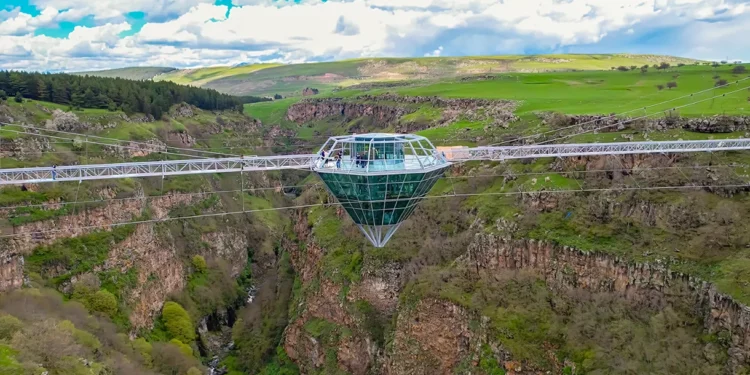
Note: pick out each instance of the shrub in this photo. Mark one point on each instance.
(104, 302)
(721, 82)
(199, 263)
(739, 69)
(671, 85)
(3, 95)
(622, 68)
(644, 69)
(169, 359)
(178, 322)
(9, 325)
(184, 348)
(660, 87)
(19, 97)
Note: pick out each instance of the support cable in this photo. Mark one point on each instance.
(219, 214)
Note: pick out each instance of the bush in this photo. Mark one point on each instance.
(19, 97)
(622, 68)
(660, 87)
(3, 95)
(199, 263)
(184, 348)
(178, 322)
(169, 359)
(671, 85)
(721, 82)
(9, 325)
(104, 302)
(739, 69)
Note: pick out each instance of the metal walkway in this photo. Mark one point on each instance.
(17, 176)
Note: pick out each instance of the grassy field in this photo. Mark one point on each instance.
(201, 76)
(289, 80)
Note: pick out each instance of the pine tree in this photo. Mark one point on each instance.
(19, 97)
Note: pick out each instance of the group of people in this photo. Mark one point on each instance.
(325, 156)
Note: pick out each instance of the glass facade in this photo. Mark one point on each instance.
(380, 199)
(379, 179)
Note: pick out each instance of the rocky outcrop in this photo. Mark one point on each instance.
(25, 148)
(319, 109)
(183, 110)
(567, 268)
(387, 110)
(31, 235)
(160, 271)
(611, 123)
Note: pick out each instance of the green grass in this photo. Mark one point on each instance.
(603, 92)
(201, 76)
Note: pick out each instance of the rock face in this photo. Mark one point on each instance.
(604, 123)
(386, 110)
(86, 221)
(568, 268)
(25, 148)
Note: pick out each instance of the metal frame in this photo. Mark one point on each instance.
(591, 149)
(17, 176)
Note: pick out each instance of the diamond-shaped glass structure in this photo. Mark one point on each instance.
(379, 178)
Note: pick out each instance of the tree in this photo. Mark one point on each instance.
(170, 360)
(739, 69)
(199, 263)
(3, 95)
(714, 64)
(45, 342)
(178, 322)
(680, 65)
(660, 87)
(633, 67)
(622, 68)
(671, 85)
(644, 69)
(277, 97)
(19, 97)
(723, 62)
(9, 325)
(104, 302)
(664, 66)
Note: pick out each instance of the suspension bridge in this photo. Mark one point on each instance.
(378, 178)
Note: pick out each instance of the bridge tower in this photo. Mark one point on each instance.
(379, 178)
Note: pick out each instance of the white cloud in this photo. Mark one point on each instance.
(197, 32)
(435, 53)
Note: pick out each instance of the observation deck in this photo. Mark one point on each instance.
(379, 178)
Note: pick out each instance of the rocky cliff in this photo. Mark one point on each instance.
(567, 268)
(611, 123)
(388, 109)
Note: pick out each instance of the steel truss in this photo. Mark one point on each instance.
(592, 149)
(17, 176)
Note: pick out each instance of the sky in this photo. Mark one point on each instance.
(81, 35)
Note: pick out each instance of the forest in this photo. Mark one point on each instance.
(153, 98)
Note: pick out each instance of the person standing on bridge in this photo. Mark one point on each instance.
(338, 159)
(54, 172)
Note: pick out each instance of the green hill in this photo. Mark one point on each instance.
(139, 73)
(289, 80)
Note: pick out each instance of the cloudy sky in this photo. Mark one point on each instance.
(74, 35)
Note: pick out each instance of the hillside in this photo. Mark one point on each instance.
(140, 73)
(289, 80)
